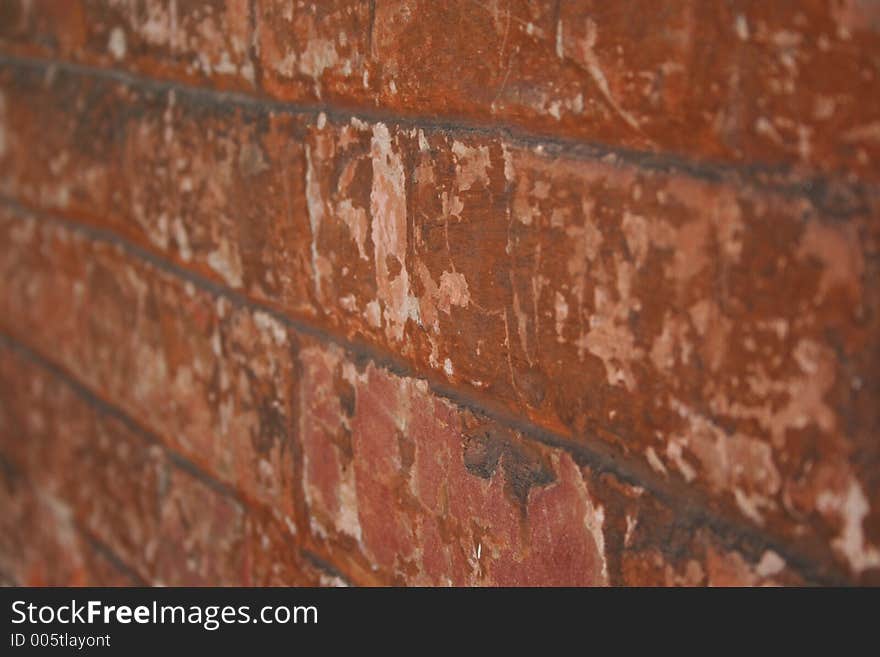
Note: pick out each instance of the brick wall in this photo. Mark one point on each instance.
(439, 293)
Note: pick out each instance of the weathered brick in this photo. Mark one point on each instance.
(416, 488)
(40, 544)
(106, 475)
(744, 83)
(433, 494)
(215, 381)
(169, 523)
(593, 297)
(226, 410)
(201, 42)
(274, 557)
(650, 243)
(202, 540)
(221, 189)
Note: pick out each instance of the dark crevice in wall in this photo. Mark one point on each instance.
(325, 566)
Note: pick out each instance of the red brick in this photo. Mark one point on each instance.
(202, 540)
(213, 380)
(595, 298)
(108, 477)
(745, 83)
(398, 487)
(199, 42)
(40, 546)
(274, 557)
(168, 523)
(429, 486)
(245, 442)
(707, 332)
(433, 494)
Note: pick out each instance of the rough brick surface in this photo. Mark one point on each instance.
(748, 82)
(193, 41)
(409, 487)
(168, 522)
(439, 495)
(419, 243)
(714, 331)
(65, 556)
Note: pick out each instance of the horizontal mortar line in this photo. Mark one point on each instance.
(322, 564)
(94, 542)
(730, 528)
(785, 180)
(177, 460)
(110, 555)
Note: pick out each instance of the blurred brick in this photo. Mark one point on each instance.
(213, 380)
(40, 544)
(202, 538)
(108, 477)
(167, 522)
(201, 42)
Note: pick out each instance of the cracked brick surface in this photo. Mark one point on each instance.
(444, 293)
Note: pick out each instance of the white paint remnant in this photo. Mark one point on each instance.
(269, 324)
(560, 48)
(594, 519)
(347, 518)
(655, 462)
(182, 240)
(594, 513)
(388, 209)
(509, 171)
(453, 291)
(356, 220)
(373, 314)
(226, 262)
(472, 165)
(225, 66)
(320, 54)
(423, 142)
(770, 564)
(748, 506)
(765, 128)
(348, 303)
(610, 337)
(591, 63)
(116, 44)
(741, 27)
(360, 124)
(631, 523)
(216, 343)
(851, 507)
(315, 207)
(674, 452)
(561, 308)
